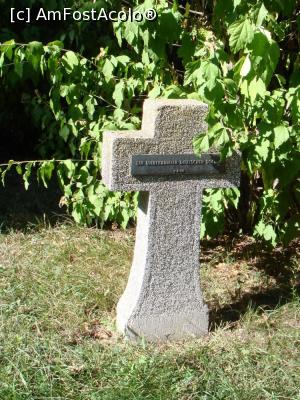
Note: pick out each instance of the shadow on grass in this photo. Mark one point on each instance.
(267, 300)
(279, 263)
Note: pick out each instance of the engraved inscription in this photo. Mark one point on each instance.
(176, 164)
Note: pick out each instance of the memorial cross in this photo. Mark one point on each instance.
(163, 299)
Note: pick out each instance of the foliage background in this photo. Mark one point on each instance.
(69, 81)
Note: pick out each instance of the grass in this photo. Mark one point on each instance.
(58, 291)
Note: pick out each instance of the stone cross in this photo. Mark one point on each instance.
(163, 299)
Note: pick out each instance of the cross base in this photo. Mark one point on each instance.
(162, 300)
(164, 327)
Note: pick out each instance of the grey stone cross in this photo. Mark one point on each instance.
(163, 299)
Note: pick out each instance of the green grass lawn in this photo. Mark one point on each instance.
(58, 291)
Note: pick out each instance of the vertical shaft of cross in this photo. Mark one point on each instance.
(163, 297)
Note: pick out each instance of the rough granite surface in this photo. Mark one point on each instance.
(163, 300)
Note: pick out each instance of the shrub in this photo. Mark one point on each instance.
(241, 57)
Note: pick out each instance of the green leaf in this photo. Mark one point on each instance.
(90, 106)
(201, 144)
(125, 217)
(281, 135)
(78, 213)
(173, 92)
(262, 149)
(7, 48)
(210, 72)
(168, 26)
(27, 174)
(293, 102)
(260, 227)
(57, 44)
(5, 171)
(131, 32)
(269, 234)
(45, 171)
(70, 61)
(69, 166)
(187, 49)
(55, 104)
(231, 88)
(107, 70)
(216, 199)
(273, 56)
(2, 59)
(246, 67)
(233, 196)
(19, 169)
(236, 3)
(259, 44)
(34, 53)
(124, 60)
(241, 34)
(155, 92)
(263, 12)
(118, 94)
(97, 203)
(64, 132)
(118, 30)
(221, 137)
(256, 88)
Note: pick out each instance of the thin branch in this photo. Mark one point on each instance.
(42, 161)
(51, 46)
(190, 11)
(10, 64)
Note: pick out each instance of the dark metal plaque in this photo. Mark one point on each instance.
(176, 164)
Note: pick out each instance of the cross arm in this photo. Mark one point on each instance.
(231, 177)
(117, 151)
